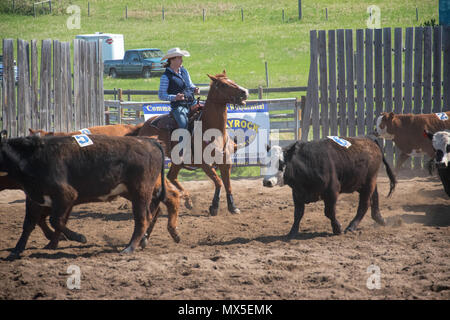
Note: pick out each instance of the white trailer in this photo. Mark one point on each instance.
(112, 44)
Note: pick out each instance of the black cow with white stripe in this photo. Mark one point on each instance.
(321, 170)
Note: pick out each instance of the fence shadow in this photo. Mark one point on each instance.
(436, 215)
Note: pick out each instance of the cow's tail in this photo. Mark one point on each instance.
(161, 194)
(390, 173)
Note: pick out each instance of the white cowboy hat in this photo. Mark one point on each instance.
(175, 52)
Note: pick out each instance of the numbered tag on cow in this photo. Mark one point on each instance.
(85, 131)
(442, 116)
(340, 141)
(83, 140)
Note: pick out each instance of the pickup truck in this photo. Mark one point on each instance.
(136, 62)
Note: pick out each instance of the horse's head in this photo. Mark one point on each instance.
(224, 89)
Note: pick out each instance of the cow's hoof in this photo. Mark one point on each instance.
(127, 250)
(291, 235)
(80, 238)
(13, 256)
(51, 246)
(338, 230)
(348, 229)
(213, 211)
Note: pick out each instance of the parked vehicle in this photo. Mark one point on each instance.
(112, 44)
(16, 75)
(136, 62)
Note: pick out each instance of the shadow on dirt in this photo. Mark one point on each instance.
(435, 215)
(58, 254)
(265, 239)
(117, 216)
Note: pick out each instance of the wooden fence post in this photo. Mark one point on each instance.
(299, 9)
(446, 43)
(34, 87)
(9, 122)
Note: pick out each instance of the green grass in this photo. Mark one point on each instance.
(223, 41)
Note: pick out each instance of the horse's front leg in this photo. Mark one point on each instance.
(211, 173)
(172, 175)
(225, 172)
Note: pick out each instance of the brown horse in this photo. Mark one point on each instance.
(214, 116)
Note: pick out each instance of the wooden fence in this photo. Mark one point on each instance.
(119, 93)
(285, 115)
(350, 84)
(50, 99)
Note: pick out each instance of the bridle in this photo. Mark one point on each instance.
(234, 100)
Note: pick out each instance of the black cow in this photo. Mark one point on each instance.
(441, 144)
(56, 172)
(323, 169)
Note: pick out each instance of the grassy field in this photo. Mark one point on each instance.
(222, 41)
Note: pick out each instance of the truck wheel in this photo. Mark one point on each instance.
(146, 73)
(113, 73)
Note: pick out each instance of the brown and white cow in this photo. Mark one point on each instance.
(441, 143)
(323, 169)
(406, 130)
(57, 172)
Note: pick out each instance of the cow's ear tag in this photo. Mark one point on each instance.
(83, 140)
(85, 131)
(340, 141)
(442, 116)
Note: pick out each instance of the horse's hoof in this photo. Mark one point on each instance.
(173, 232)
(380, 221)
(213, 211)
(127, 250)
(188, 204)
(234, 211)
(143, 242)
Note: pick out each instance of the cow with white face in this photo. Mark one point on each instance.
(441, 144)
(321, 170)
(406, 132)
(274, 173)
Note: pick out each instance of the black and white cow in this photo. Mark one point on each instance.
(57, 172)
(323, 169)
(441, 144)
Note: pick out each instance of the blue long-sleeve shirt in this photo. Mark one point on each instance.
(164, 85)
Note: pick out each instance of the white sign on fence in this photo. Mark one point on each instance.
(249, 123)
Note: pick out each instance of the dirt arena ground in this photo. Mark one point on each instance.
(244, 256)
